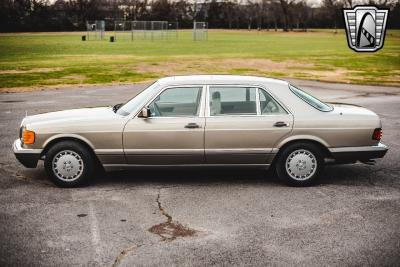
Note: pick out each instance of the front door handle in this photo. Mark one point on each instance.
(192, 125)
(281, 124)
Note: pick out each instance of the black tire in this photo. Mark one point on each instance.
(313, 164)
(83, 164)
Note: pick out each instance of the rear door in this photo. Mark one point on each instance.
(243, 124)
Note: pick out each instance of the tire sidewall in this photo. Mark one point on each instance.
(281, 162)
(81, 151)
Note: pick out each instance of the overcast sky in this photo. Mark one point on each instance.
(313, 3)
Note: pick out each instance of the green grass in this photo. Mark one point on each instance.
(57, 59)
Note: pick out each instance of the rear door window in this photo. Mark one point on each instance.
(233, 100)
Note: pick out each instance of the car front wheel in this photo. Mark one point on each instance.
(300, 164)
(69, 164)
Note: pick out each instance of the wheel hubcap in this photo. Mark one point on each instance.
(301, 164)
(67, 165)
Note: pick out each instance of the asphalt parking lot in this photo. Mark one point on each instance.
(200, 217)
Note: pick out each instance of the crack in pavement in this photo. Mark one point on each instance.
(123, 254)
(170, 229)
(163, 212)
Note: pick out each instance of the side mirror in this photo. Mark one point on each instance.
(145, 113)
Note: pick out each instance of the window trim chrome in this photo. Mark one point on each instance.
(258, 104)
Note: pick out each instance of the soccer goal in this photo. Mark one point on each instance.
(200, 31)
(172, 30)
(95, 30)
(122, 30)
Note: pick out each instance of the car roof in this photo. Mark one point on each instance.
(219, 79)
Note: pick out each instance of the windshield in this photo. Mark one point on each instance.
(133, 105)
(318, 104)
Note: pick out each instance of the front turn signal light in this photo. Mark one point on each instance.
(28, 137)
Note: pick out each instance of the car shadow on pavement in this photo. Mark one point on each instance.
(350, 175)
(354, 175)
(187, 176)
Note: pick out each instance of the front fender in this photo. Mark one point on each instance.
(72, 136)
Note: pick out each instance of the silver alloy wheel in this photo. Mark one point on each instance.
(67, 165)
(301, 164)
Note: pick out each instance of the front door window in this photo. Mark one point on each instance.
(177, 102)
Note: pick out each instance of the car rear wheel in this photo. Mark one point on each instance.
(69, 164)
(300, 164)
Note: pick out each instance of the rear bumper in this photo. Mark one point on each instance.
(362, 153)
(27, 157)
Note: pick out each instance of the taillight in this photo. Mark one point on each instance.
(377, 135)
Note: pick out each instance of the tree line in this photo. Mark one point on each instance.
(71, 15)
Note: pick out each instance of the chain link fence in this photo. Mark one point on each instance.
(145, 30)
(124, 30)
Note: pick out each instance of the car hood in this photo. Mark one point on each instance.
(71, 115)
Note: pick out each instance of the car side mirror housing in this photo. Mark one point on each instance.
(144, 113)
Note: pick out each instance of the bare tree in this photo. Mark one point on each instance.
(301, 14)
(250, 10)
(57, 15)
(285, 5)
(135, 8)
(230, 12)
(276, 12)
(348, 3)
(261, 9)
(332, 9)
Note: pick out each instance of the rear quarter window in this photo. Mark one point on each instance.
(311, 100)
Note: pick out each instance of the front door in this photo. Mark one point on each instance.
(174, 132)
(243, 124)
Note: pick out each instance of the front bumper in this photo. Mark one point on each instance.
(362, 153)
(27, 157)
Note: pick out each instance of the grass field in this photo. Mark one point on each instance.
(35, 61)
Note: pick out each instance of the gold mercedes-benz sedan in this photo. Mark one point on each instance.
(203, 120)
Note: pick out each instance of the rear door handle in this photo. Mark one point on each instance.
(281, 124)
(192, 125)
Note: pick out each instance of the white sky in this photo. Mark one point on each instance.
(313, 3)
